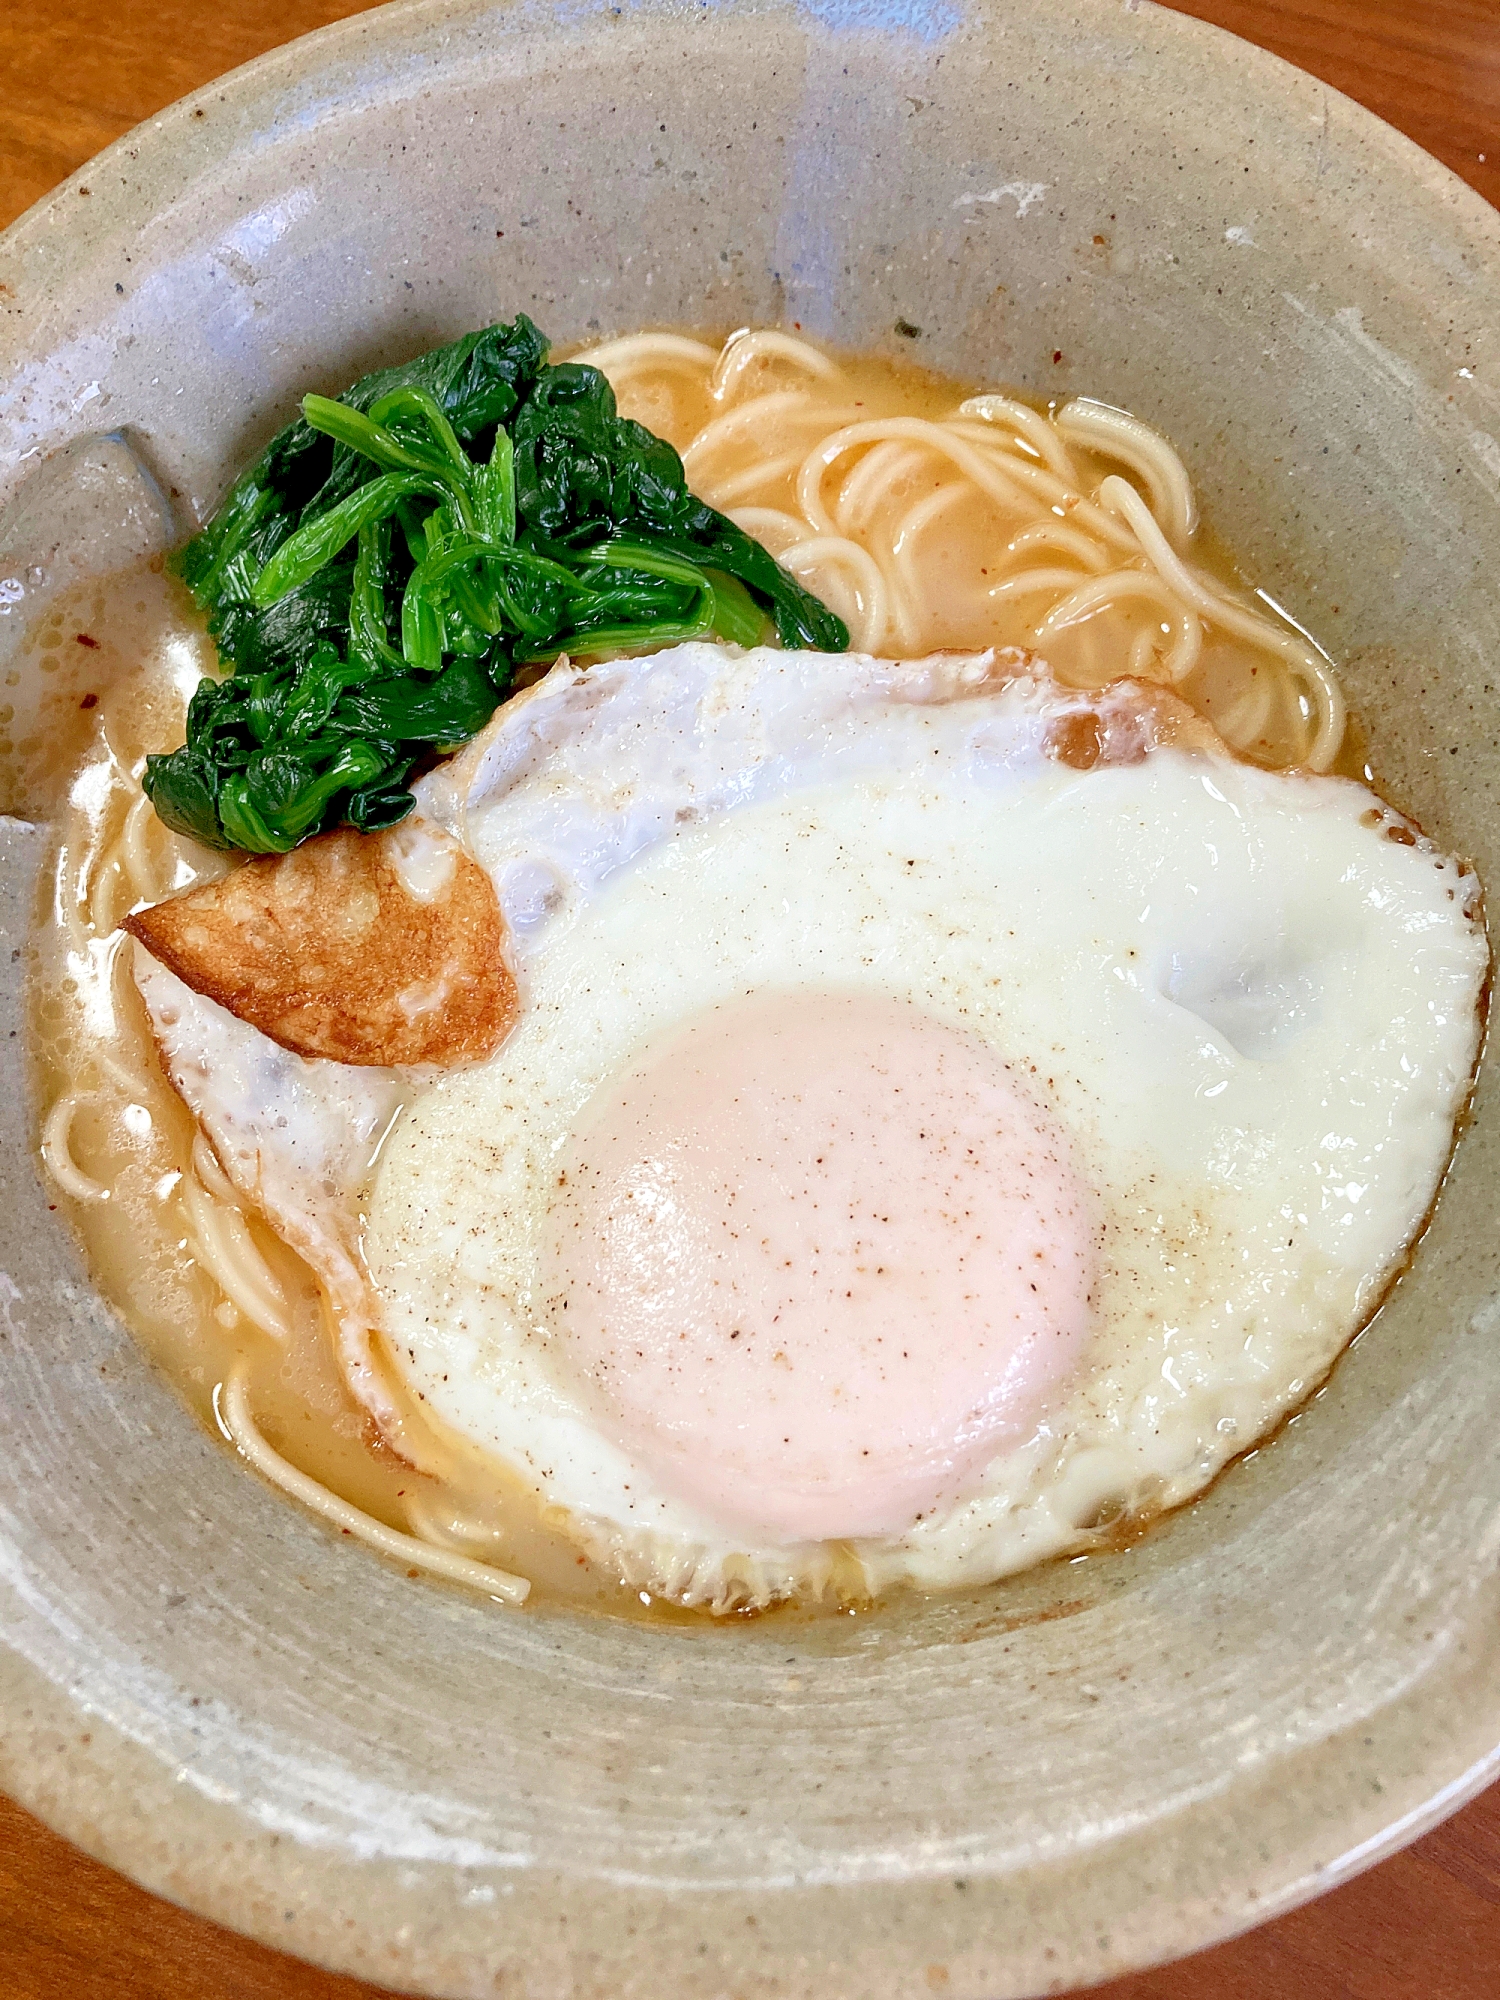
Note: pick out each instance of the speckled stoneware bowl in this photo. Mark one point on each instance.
(1089, 1768)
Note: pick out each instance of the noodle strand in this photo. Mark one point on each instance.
(744, 350)
(1117, 434)
(223, 1245)
(232, 1403)
(57, 1158)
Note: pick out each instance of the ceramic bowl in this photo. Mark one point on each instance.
(1080, 1771)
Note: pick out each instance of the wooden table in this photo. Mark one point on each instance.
(74, 74)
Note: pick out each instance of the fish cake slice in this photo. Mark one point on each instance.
(384, 949)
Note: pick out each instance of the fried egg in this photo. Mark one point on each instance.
(947, 1113)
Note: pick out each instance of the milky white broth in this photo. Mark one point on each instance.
(110, 702)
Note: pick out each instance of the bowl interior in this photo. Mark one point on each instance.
(1074, 1772)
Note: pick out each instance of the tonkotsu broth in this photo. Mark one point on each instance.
(156, 1217)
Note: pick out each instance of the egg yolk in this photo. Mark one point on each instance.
(814, 1257)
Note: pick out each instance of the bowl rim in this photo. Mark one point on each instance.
(109, 1776)
(201, 142)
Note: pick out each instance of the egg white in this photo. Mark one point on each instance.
(1254, 1013)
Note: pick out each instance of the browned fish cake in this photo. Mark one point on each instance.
(364, 948)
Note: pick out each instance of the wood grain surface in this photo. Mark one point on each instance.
(74, 74)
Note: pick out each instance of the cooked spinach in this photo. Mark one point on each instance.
(374, 580)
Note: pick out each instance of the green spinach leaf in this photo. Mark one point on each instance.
(533, 519)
